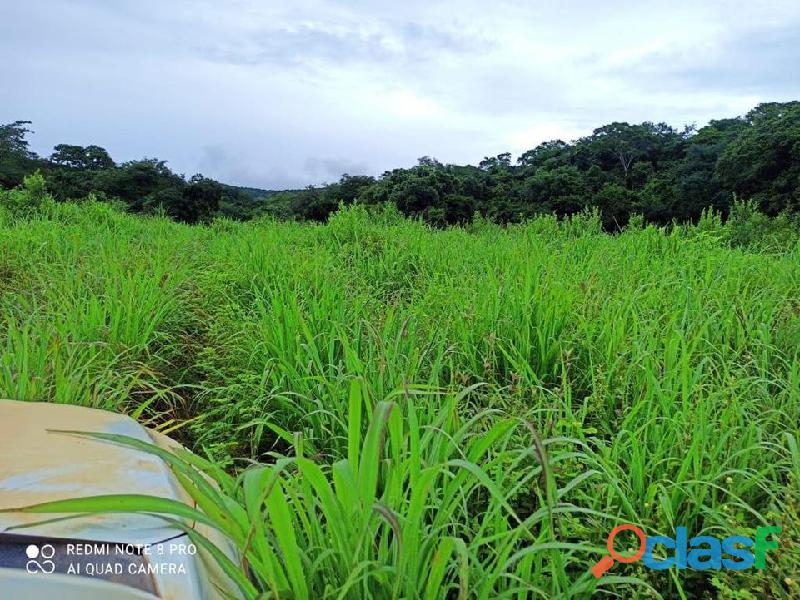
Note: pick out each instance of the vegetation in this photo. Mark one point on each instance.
(649, 169)
(462, 412)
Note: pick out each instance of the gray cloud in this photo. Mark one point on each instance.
(216, 161)
(330, 169)
(279, 94)
(427, 38)
(293, 47)
(761, 60)
(339, 44)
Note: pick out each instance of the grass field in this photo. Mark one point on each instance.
(453, 413)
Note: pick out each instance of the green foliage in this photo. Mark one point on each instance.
(620, 147)
(748, 227)
(383, 374)
(29, 199)
(667, 175)
(141, 184)
(90, 158)
(13, 139)
(616, 203)
(588, 222)
(146, 186)
(710, 226)
(763, 163)
(16, 160)
(395, 517)
(636, 222)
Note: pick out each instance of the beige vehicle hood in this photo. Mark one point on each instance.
(38, 464)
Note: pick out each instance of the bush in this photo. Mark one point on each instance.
(710, 226)
(636, 222)
(748, 227)
(481, 224)
(29, 199)
(587, 222)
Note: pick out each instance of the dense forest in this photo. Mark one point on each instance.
(651, 169)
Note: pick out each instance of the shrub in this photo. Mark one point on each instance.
(636, 222)
(29, 199)
(587, 222)
(748, 227)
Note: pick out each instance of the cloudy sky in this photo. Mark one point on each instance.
(282, 94)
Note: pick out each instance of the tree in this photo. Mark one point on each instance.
(89, 158)
(501, 161)
(196, 202)
(763, 162)
(199, 201)
(13, 139)
(311, 204)
(549, 155)
(415, 195)
(317, 204)
(235, 203)
(562, 191)
(16, 159)
(662, 172)
(616, 204)
(134, 181)
(439, 194)
(72, 169)
(618, 146)
(27, 199)
(348, 189)
(428, 161)
(683, 189)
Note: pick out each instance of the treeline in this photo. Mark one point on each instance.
(651, 169)
(143, 186)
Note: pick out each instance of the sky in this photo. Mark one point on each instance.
(284, 94)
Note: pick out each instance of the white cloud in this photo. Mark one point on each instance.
(281, 93)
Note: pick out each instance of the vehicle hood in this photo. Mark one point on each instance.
(38, 464)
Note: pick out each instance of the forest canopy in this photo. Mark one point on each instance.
(650, 169)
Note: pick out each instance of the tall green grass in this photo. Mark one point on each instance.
(411, 511)
(658, 369)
